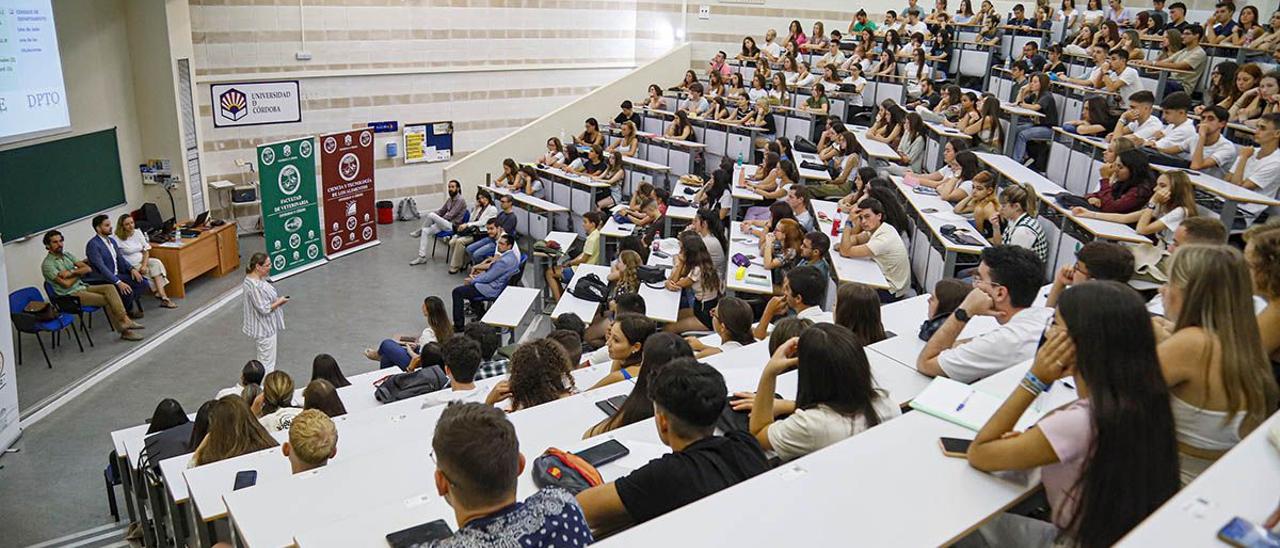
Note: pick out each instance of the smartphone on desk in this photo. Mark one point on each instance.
(612, 405)
(925, 190)
(245, 478)
(605, 453)
(1241, 533)
(420, 535)
(955, 447)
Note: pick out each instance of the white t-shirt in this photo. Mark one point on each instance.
(992, 352)
(1147, 129)
(829, 59)
(888, 251)
(1131, 84)
(757, 94)
(1264, 172)
(855, 99)
(281, 419)
(229, 391)
(772, 48)
(1171, 221)
(1223, 152)
(919, 27)
(446, 395)
(815, 314)
(806, 81)
(915, 75)
(428, 335)
(1182, 136)
(133, 247)
(699, 106)
(808, 430)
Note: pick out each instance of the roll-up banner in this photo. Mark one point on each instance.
(346, 174)
(290, 210)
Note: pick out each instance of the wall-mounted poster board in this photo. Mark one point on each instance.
(428, 142)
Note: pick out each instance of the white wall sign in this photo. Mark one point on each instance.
(8, 375)
(256, 103)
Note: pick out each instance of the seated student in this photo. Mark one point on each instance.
(1054, 64)
(322, 396)
(492, 364)
(507, 180)
(780, 249)
(573, 161)
(1262, 99)
(1107, 460)
(706, 224)
(454, 207)
(1095, 119)
(836, 396)
(1262, 253)
(880, 241)
(540, 373)
(554, 155)
(109, 266)
(1221, 25)
(982, 205)
(313, 440)
(168, 432)
(696, 105)
(858, 310)
(274, 408)
(592, 253)
(67, 275)
(488, 284)
(1258, 169)
(731, 321)
(1191, 58)
(818, 103)
(461, 361)
(1018, 72)
(887, 127)
(832, 57)
(957, 188)
(480, 215)
(233, 431)
(136, 250)
(643, 210)
(571, 342)
(815, 251)
(1212, 358)
(627, 303)
(625, 344)
(629, 144)
(950, 165)
(1005, 288)
(1129, 187)
(1173, 201)
(402, 351)
(505, 221)
(1211, 152)
(528, 181)
(1018, 18)
(846, 153)
(1122, 79)
(804, 289)
(324, 366)
(659, 350)
(1178, 135)
(687, 399)
(477, 466)
(251, 373)
(695, 273)
(628, 114)
(1038, 97)
(590, 135)
(1095, 261)
(623, 277)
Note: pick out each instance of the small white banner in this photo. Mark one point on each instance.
(256, 103)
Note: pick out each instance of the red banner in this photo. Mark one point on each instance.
(346, 170)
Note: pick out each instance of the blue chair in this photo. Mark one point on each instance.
(26, 323)
(446, 234)
(72, 305)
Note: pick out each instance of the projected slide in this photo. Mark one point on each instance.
(32, 96)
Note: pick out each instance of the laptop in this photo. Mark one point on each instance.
(201, 219)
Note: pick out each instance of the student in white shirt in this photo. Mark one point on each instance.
(1137, 124)
(771, 49)
(1121, 78)
(461, 359)
(836, 396)
(1212, 153)
(858, 82)
(1006, 285)
(731, 320)
(804, 288)
(1179, 133)
(1258, 169)
(274, 407)
(1173, 201)
(696, 105)
(914, 25)
(881, 242)
(832, 57)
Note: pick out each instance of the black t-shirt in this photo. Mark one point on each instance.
(770, 124)
(596, 167)
(621, 117)
(1055, 67)
(1049, 108)
(704, 467)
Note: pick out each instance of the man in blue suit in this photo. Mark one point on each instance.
(490, 283)
(109, 266)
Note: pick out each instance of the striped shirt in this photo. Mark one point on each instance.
(260, 321)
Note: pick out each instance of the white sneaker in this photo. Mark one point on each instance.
(415, 233)
(418, 261)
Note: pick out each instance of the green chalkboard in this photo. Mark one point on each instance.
(53, 183)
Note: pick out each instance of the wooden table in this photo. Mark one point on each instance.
(215, 249)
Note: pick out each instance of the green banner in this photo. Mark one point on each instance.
(290, 209)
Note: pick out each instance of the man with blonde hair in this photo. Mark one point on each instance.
(313, 440)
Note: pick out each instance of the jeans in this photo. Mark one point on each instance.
(462, 295)
(392, 353)
(481, 249)
(1028, 133)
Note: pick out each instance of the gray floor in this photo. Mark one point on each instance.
(54, 485)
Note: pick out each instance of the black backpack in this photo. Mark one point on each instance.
(407, 385)
(590, 288)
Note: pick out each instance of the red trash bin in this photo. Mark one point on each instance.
(386, 212)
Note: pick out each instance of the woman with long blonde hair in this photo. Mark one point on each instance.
(1173, 201)
(1212, 358)
(233, 431)
(623, 274)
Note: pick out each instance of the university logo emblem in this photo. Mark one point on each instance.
(233, 105)
(330, 145)
(290, 180)
(349, 166)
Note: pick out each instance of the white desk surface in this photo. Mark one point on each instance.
(946, 131)
(1095, 142)
(565, 239)
(743, 173)
(662, 139)
(1243, 483)
(937, 213)
(660, 304)
(746, 244)
(613, 229)
(861, 270)
(875, 149)
(532, 201)
(811, 174)
(1221, 188)
(1048, 189)
(356, 396)
(576, 178)
(511, 306)
(644, 164)
(684, 213)
(569, 304)
(904, 317)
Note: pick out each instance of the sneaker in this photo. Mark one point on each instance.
(418, 261)
(1029, 162)
(415, 233)
(130, 336)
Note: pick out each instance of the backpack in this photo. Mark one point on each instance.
(651, 274)
(407, 385)
(590, 288)
(556, 468)
(407, 210)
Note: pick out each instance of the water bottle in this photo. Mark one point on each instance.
(739, 159)
(835, 225)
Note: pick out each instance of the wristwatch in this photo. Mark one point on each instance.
(961, 315)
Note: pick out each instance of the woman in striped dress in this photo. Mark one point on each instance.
(263, 318)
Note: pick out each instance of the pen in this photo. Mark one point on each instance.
(965, 401)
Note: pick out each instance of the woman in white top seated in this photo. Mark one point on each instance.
(1220, 381)
(137, 252)
(836, 396)
(731, 320)
(274, 407)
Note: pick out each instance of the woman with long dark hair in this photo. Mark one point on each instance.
(1095, 118)
(1129, 187)
(233, 431)
(320, 394)
(1108, 459)
(731, 320)
(657, 352)
(326, 367)
(836, 397)
(858, 310)
(694, 271)
(625, 341)
(405, 351)
(168, 414)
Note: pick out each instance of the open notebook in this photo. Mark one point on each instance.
(970, 407)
